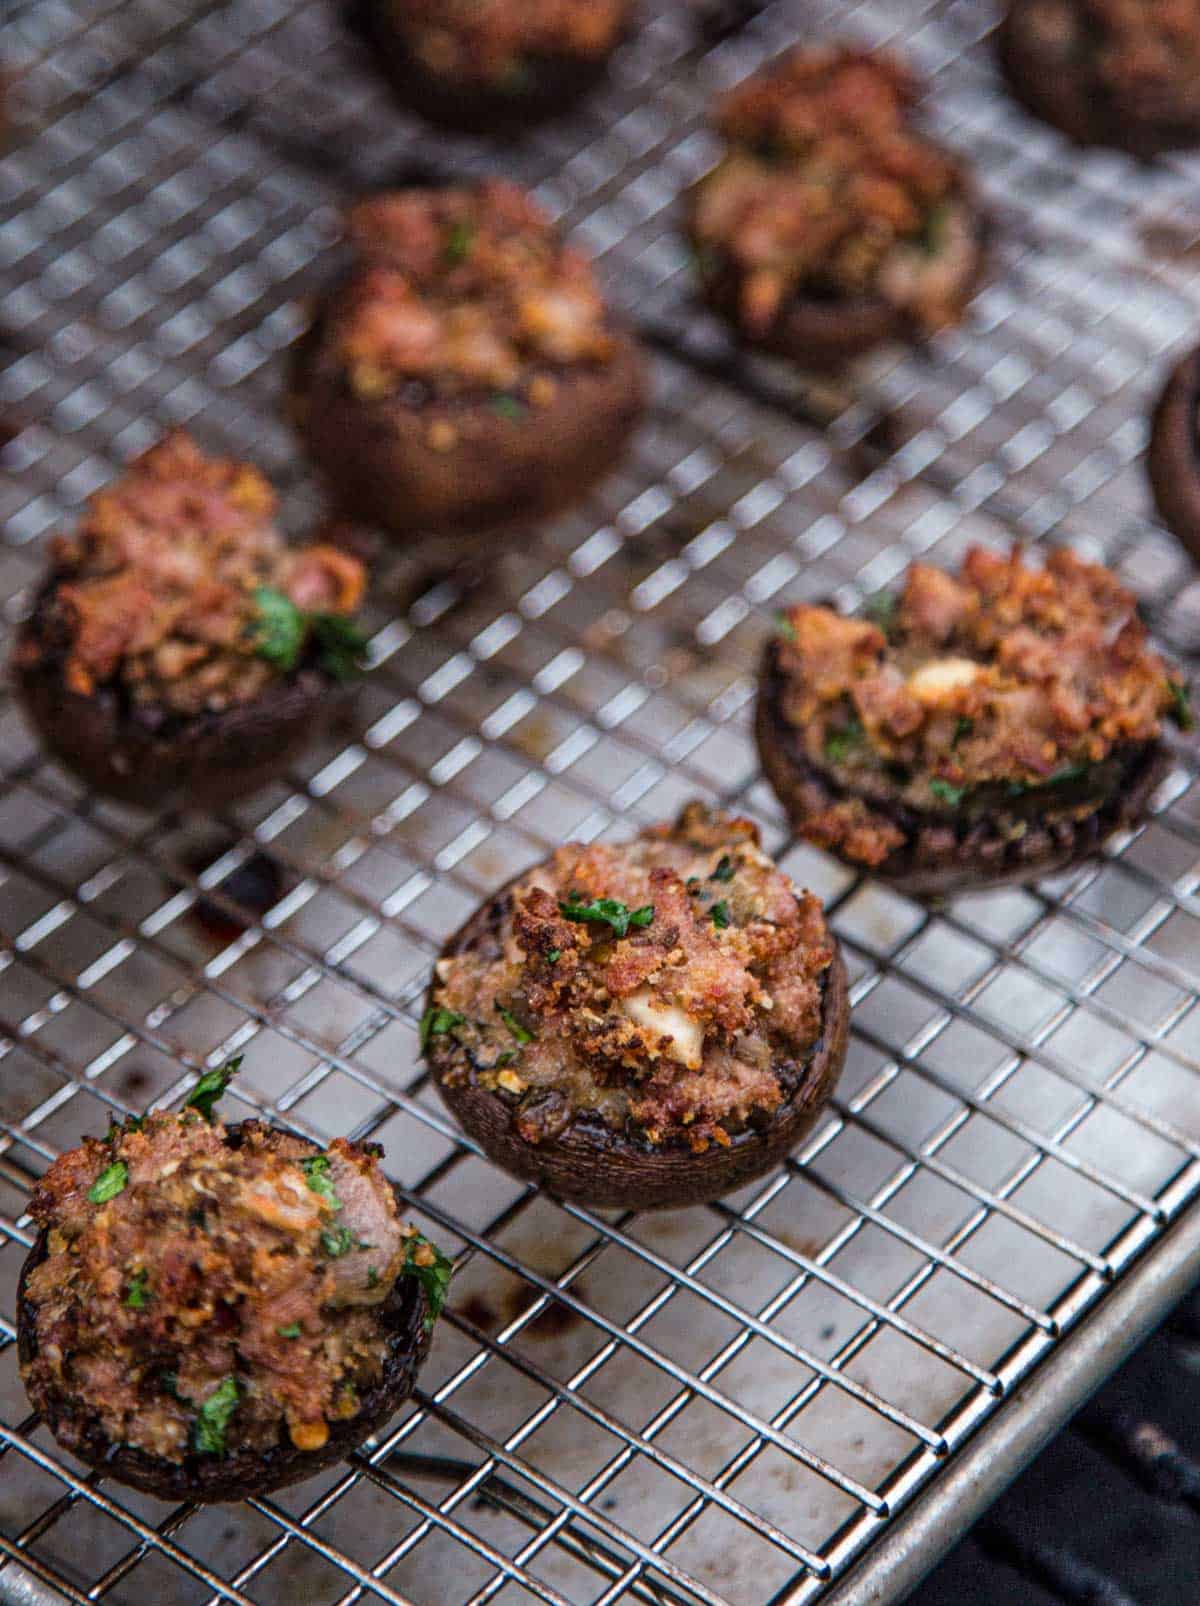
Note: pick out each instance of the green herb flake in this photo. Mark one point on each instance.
(372, 1277)
(281, 629)
(840, 743)
(211, 1086)
(214, 1417)
(952, 795)
(341, 645)
(933, 239)
(337, 1241)
(521, 1033)
(459, 242)
(720, 915)
(784, 627)
(109, 1183)
(517, 78)
(510, 407)
(962, 729)
(1181, 706)
(881, 609)
(553, 956)
(725, 871)
(292, 1330)
(426, 1262)
(437, 1022)
(316, 1174)
(607, 911)
(137, 1296)
(507, 1058)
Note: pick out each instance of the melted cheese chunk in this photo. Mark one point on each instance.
(667, 1020)
(938, 680)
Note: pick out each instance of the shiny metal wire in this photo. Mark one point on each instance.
(727, 1405)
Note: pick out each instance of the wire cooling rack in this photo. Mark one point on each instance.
(799, 1393)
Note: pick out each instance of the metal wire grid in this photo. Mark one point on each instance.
(724, 1405)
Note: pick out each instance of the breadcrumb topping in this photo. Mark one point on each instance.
(187, 1279)
(466, 291)
(1005, 686)
(498, 43)
(159, 591)
(672, 985)
(1144, 53)
(828, 192)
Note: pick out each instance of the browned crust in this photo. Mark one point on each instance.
(554, 84)
(503, 473)
(939, 857)
(1070, 99)
(1173, 458)
(204, 761)
(825, 334)
(240, 1474)
(592, 1164)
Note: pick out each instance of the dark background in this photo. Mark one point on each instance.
(1109, 1513)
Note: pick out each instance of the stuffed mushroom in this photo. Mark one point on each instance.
(982, 727)
(831, 223)
(649, 1024)
(1123, 73)
(491, 66)
(1173, 460)
(178, 649)
(466, 375)
(213, 1312)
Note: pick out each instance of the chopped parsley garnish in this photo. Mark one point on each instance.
(508, 406)
(1181, 706)
(341, 645)
(953, 795)
(437, 1023)
(137, 1296)
(784, 627)
(934, 237)
(316, 1174)
(521, 1033)
(840, 743)
(962, 729)
(725, 871)
(214, 1417)
(372, 1277)
(553, 956)
(720, 915)
(337, 1241)
(509, 1055)
(607, 911)
(283, 630)
(881, 609)
(434, 1271)
(459, 242)
(109, 1183)
(292, 1330)
(1069, 772)
(211, 1086)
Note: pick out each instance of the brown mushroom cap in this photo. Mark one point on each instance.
(1065, 95)
(592, 1164)
(203, 761)
(941, 857)
(500, 473)
(237, 1475)
(1173, 457)
(550, 85)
